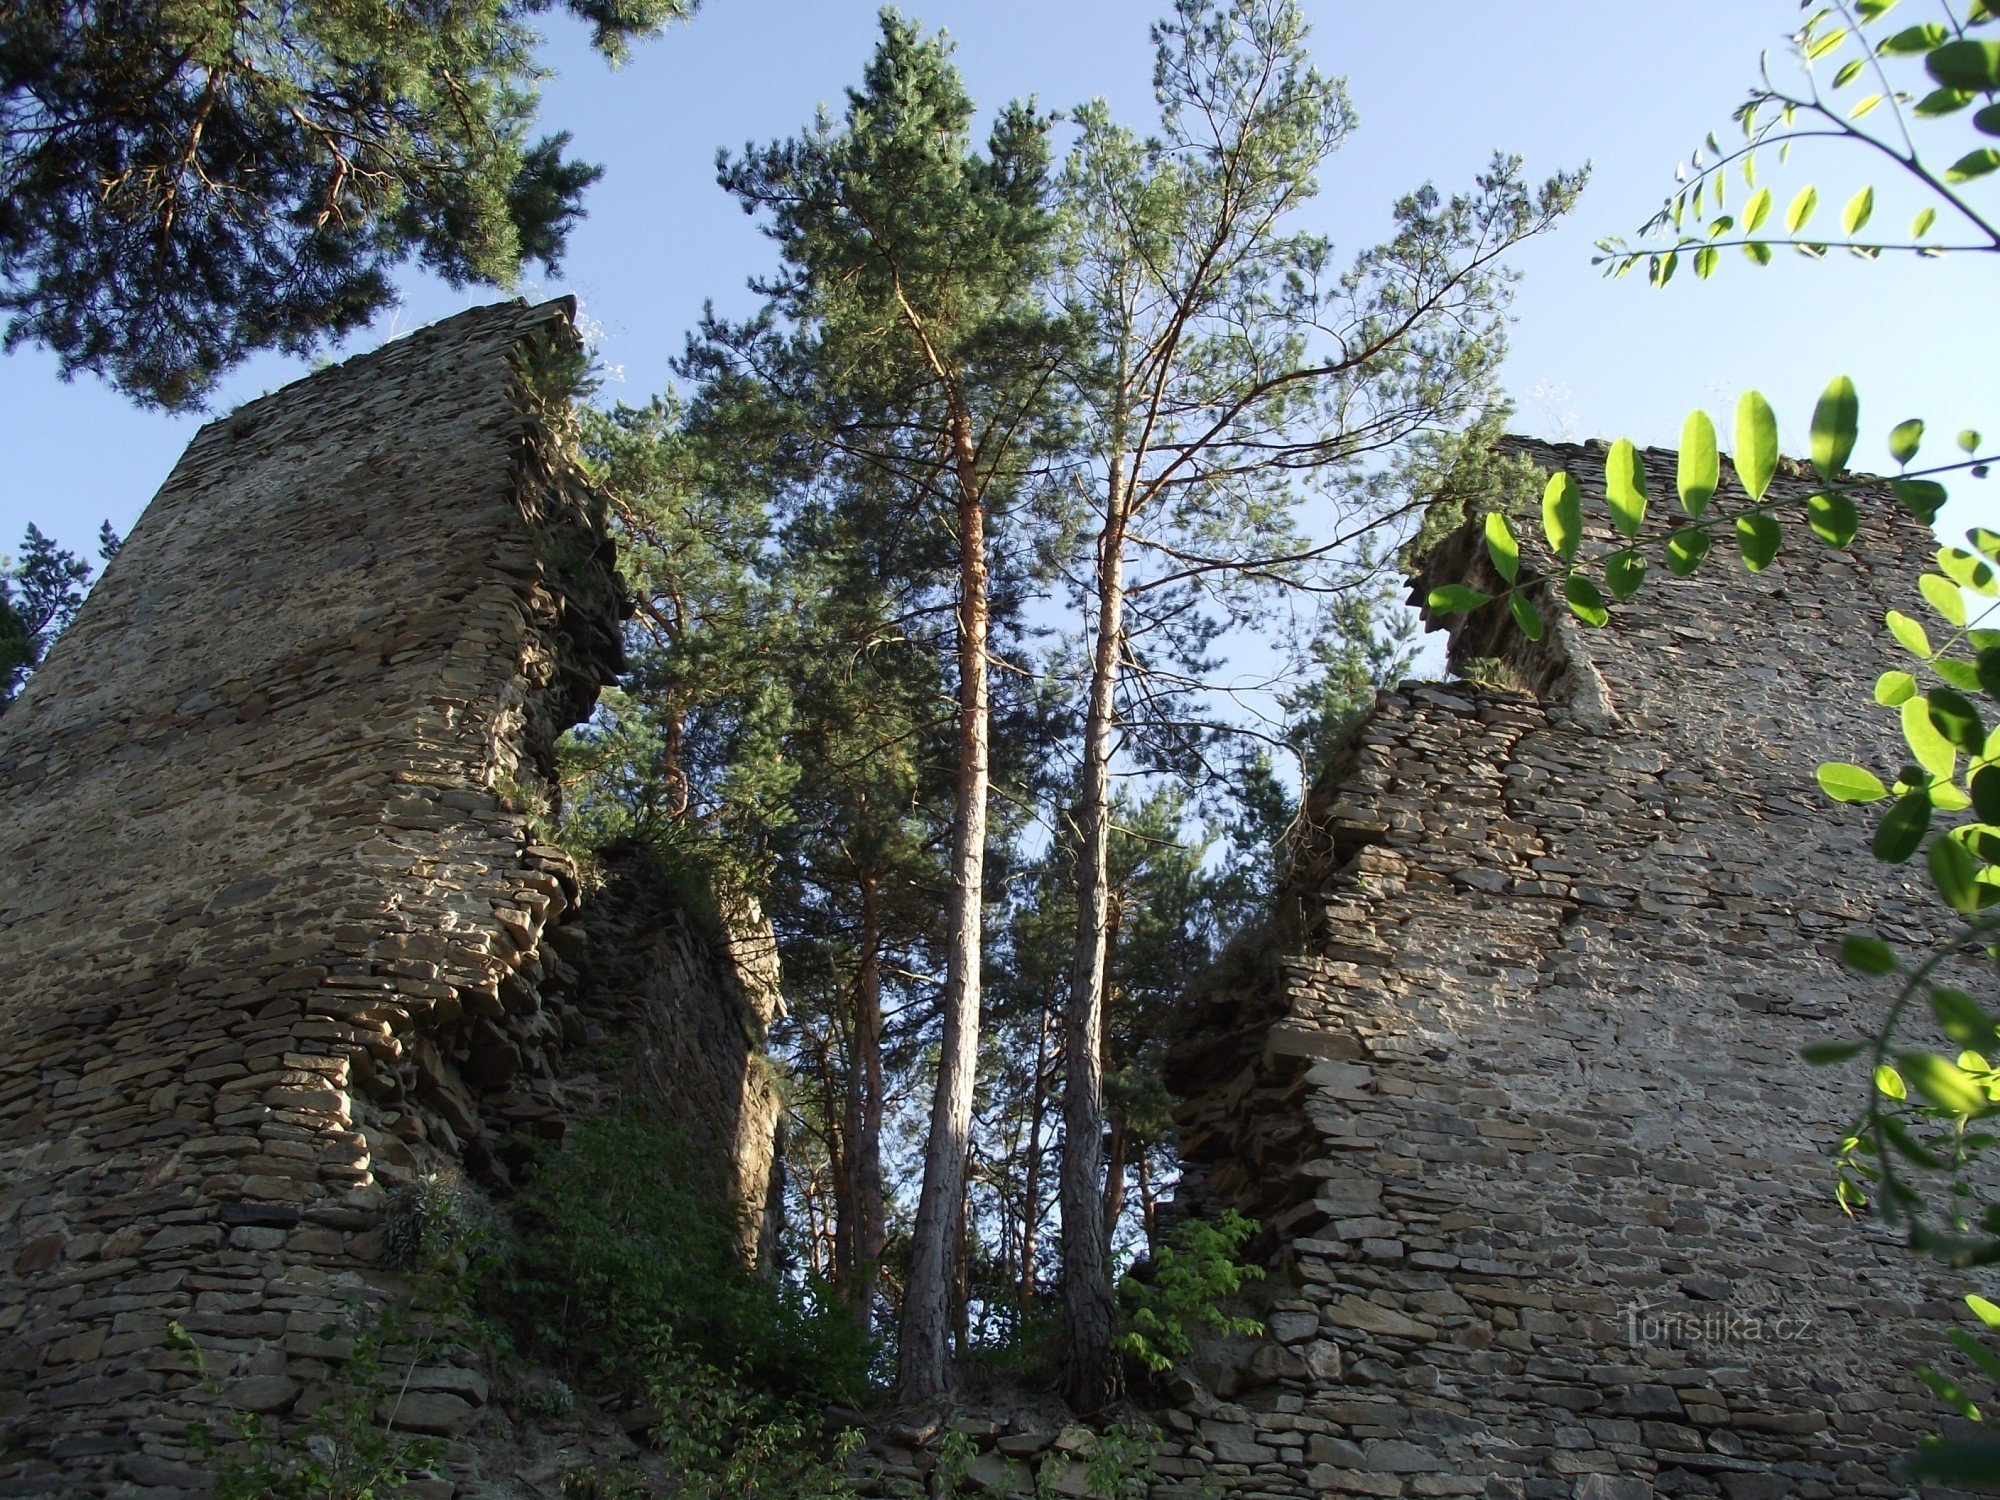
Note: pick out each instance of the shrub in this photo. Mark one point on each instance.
(1193, 1272)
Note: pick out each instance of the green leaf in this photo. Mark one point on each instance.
(1968, 570)
(1954, 717)
(1988, 667)
(1941, 102)
(1758, 251)
(1456, 599)
(1987, 1312)
(1903, 440)
(1502, 547)
(1913, 39)
(1526, 616)
(1850, 783)
(1969, 440)
(1832, 518)
(1892, 688)
(1985, 786)
(1966, 65)
(1947, 1390)
(1705, 261)
(1756, 443)
(1824, 1054)
(1988, 542)
(1974, 164)
(1955, 873)
(1685, 550)
(1836, 420)
(1801, 211)
(1562, 515)
(1958, 672)
(1756, 210)
(1848, 70)
(1860, 209)
(1987, 1361)
(1625, 486)
(1927, 743)
(1867, 955)
(1987, 121)
(1585, 602)
(1624, 571)
(1944, 1083)
(1961, 1019)
(1909, 634)
(1921, 224)
(1889, 1082)
(1757, 538)
(1700, 470)
(1903, 828)
(1943, 596)
(1922, 498)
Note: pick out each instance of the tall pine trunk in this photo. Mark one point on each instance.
(927, 1311)
(1091, 1381)
(866, 1230)
(1031, 1192)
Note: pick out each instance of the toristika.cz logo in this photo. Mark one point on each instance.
(1688, 1325)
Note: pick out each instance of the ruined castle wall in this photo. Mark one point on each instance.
(275, 935)
(1514, 1086)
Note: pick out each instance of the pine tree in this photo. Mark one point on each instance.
(182, 185)
(1232, 364)
(905, 335)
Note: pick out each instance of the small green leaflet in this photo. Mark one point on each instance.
(1988, 669)
(1988, 542)
(1823, 1054)
(1756, 443)
(1920, 497)
(1526, 616)
(1832, 517)
(1986, 1312)
(1625, 486)
(1986, 793)
(1756, 210)
(1943, 596)
(1562, 515)
(1903, 440)
(1987, 121)
(1835, 422)
(1902, 829)
(1959, 672)
(1969, 440)
(1913, 39)
(1908, 633)
(1758, 251)
(1892, 688)
(1456, 599)
(1940, 102)
(1860, 209)
(1945, 1084)
(1585, 602)
(1965, 65)
(1921, 224)
(1933, 751)
(1961, 1019)
(1889, 1082)
(1624, 571)
(1801, 211)
(1502, 547)
(1867, 955)
(1955, 873)
(1968, 571)
(1850, 783)
(1700, 469)
(1757, 538)
(1954, 717)
(1973, 164)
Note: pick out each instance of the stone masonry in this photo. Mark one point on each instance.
(277, 933)
(1513, 1084)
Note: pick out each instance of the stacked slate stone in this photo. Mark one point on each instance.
(276, 921)
(1512, 1080)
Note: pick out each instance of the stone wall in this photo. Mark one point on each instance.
(1512, 1085)
(276, 932)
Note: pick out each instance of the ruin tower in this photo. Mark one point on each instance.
(1513, 1085)
(280, 928)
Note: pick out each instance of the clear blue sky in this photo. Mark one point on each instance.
(1626, 86)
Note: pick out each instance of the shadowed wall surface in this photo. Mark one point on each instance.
(1513, 1085)
(274, 927)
